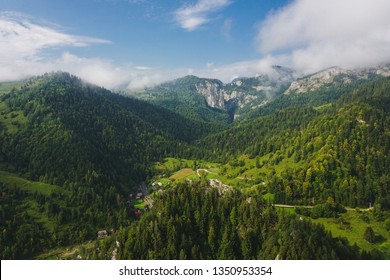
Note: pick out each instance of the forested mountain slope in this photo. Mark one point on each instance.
(182, 96)
(340, 149)
(70, 151)
(321, 88)
(63, 129)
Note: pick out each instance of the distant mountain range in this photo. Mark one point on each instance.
(243, 95)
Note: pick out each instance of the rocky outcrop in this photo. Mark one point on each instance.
(245, 92)
(212, 92)
(335, 75)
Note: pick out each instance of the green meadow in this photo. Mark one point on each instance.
(352, 226)
(13, 180)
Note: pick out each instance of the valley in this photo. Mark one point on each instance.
(273, 165)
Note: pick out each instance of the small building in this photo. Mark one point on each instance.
(138, 196)
(102, 233)
(138, 212)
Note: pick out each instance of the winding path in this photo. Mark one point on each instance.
(310, 207)
(205, 170)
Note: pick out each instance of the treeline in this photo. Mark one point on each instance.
(340, 151)
(195, 221)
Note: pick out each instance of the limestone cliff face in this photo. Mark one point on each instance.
(317, 80)
(219, 96)
(335, 75)
(212, 92)
(245, 93)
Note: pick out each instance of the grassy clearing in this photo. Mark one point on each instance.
(241, 172)
(14, 180)
(139, 203)
(182, 174)
(354, 229)
(172, 170)
(11, 120)
(193, 177)
(269, 197)
(33, 209)
(247, 171)
(170, 165)
(285, 210)
(7, 87)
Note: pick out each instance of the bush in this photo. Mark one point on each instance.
(369, 235)
(365, 218)
(329, 209)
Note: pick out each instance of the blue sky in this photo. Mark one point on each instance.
(148, 32)
(136, 43)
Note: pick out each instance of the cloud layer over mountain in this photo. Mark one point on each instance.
(311, 35)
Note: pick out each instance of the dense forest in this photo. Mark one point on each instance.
(341, 149)
(71, 153)
(195, 221)
(35, 221)
(75, 132)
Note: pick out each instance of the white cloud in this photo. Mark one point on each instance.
(192, 17)
(98, 71)
(229, 72)
(312, 35)
(23, 46)
(20, 36)
(307, 35)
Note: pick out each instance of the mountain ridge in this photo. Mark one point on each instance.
(333, 75)
(244, 95)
